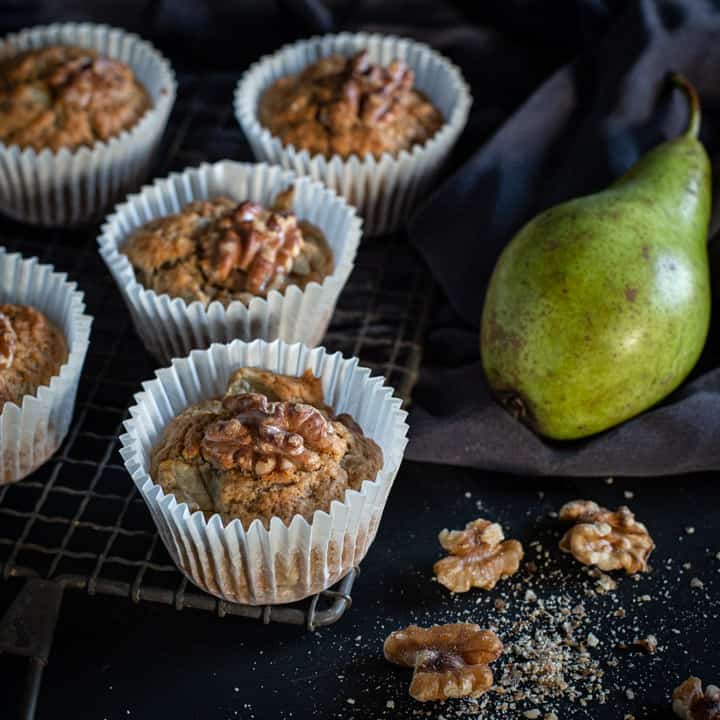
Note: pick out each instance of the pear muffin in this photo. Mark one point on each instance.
(270, 447)
(32, 351)
(349, 106)
(67, 97)
(223, 250)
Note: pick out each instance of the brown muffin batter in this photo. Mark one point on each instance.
(62, 96)
(222, 250)
(32, 350)
(269, 448)
(349, 106)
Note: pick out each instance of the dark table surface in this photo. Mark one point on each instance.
(112, 659)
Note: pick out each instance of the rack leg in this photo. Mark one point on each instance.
(27, 629)
(32, 688)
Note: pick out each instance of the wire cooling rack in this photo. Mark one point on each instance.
(78, 520)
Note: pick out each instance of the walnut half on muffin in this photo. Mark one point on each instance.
(224, 250)
(350, 106)
(67, 97)
(269, 448)
(32, 351)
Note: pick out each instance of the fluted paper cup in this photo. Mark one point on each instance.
(171, 327)
(383, 189)
(31, 432)
(257, 565)
(72, 186)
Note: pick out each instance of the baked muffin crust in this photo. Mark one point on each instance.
(269, 448)
(67, 97)
(222, 250)
(349, 106)
(32, 350)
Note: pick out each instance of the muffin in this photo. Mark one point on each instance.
(223, 250)
(215, 254)
(67, 97)
(269, 448)
(44, 336)
(253, 463)
(82, 110)
(32, 350)
(371, 116)
(349, 106)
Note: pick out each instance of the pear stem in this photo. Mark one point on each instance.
(682, 83)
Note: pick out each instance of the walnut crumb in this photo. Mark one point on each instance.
(648, 644)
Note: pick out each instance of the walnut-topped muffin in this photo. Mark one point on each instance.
(67, 97)
(32, 351)
(269, 448)
(349, 106)
(224, 250)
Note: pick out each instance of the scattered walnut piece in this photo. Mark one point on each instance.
(609, 540)
(603, 582)
(479, 556)
(647, 644)
(691, 703)
(449, 660)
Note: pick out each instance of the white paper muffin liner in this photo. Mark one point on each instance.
(72, 186)
(32, 432)
(384, 189)
(281, 564)
(170, 327)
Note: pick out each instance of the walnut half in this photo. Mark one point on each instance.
(449, 660)
(691, 703)
(609, 540)
(261, 243)
(261, 436)
(479, 557)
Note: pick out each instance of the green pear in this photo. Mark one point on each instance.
(599, 307)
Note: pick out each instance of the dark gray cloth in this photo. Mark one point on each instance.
(582, 128)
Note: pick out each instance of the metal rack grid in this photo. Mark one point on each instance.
(78, 519)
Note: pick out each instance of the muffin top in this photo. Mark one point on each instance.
(66, 97)
(269, 448)
(349, 106)
(32, 350)
(224, 250)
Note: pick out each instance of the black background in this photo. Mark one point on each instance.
(112, 659)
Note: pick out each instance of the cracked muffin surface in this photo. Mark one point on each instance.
(32, 351)
(349, 106)
(67, 97)
(270, 447)
(225, 250)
